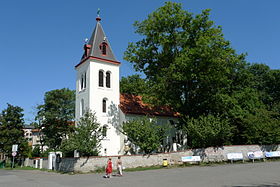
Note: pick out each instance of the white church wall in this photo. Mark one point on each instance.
(110, 118)
(82, 93)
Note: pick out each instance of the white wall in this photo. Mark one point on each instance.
(82, 94)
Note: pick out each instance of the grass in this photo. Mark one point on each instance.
(20, 168)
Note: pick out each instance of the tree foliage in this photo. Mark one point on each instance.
(134, 85)
(191, 67)
(11, 129)
(145, 133)
(56, 115)
(86, 138)
(185, 59)
(262, 128)
(207, 131)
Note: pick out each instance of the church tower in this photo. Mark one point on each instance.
(97, 88)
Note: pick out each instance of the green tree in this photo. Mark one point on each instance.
(144, 133)
(272, 86)
(55, 116)
(186, 60)
(206, 131)
(11, 129)
(260, 74)
(36, 152)
(86, 138)
(262, 127)
(134, 85)
(25, 150)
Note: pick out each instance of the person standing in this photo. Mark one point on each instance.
(119, 166)
(109, 168)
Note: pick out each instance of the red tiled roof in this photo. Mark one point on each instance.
(131, 104)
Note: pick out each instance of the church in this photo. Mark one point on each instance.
(98, 90)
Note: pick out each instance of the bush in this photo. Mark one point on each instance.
(207, 131)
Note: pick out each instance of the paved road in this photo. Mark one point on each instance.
(265, 174)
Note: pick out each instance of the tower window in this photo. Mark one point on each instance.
(82, 108)
(108, 79)
(104, 106)
(101, 78)
(103, 48)
(83, 81)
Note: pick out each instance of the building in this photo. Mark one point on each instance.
(33, 136)
(97, 90)
(28, 135)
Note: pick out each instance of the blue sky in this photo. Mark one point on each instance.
(42, 41)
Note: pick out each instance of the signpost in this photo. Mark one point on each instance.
(15, 148)
(14, 153)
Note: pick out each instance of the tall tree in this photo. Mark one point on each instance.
(11, 129)
(86, 137)
(186, 60)
(55, 116)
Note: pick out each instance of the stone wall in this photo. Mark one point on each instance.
(211, 154)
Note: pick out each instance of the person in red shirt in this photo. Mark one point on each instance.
(109, 168)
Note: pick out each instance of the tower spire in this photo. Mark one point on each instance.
(98, 46)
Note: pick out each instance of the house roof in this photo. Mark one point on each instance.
(131, 104)
(35, 130)
(93, 48)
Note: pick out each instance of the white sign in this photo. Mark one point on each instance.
(191, 159)
(255, 155)
(15, 148)
(272, 154)
(235, 156)
(14, 153)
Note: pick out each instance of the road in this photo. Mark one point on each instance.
(265, 174)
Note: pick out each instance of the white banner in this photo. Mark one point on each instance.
(191, 159)
(255, 155)
(272, 154)
(235, 156)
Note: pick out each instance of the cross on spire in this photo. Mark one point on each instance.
(98, 12)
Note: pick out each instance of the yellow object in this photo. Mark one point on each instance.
(164, 163)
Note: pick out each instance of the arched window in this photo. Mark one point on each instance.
(101, 78)
(108, 79)
(82, 82)
(82, 107)
(85, 80)
(104, 107)
(103, 48)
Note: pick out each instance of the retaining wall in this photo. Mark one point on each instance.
(211, 154)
